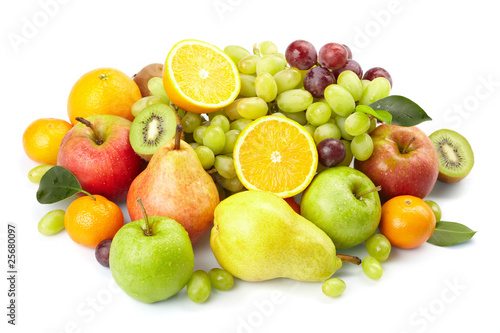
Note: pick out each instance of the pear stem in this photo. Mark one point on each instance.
(148, 228)
(405, 150)
(178, 134)
(92, 127)
(376, 188)
(352, 259)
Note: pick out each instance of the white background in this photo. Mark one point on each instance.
(441, 54)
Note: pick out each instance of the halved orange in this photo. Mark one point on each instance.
(199, 77)
(275, 154)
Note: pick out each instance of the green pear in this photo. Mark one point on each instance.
(257, 236)
(344, 203)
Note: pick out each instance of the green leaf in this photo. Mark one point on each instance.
(404, 111)
(381, 115)
(450, 233)
(57, 184)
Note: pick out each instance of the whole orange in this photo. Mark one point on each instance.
(407, 221)
(90, 220)
(103, 91)
(42, 138)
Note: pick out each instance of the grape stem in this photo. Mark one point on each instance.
(375, 189)
(352, 259)
(178, 133)
(405, 150)
(147, 232)
(92, 127)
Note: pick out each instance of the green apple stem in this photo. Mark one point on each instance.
(375, 189)
(148, 228)
(178, 134)
(352, 259)
(405, 150)
(92, 127)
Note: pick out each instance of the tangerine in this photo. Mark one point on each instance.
(407, 221)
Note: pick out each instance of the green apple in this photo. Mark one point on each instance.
(344, 203)
(151, 259)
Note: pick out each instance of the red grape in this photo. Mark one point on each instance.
(331, 152)
(375, 72)
(102, 252)
(301, 54)
(317, 79)
(349, 52)
(352, 65)
(332, 55)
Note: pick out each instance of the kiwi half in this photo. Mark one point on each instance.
(152, 127)
(455, 155)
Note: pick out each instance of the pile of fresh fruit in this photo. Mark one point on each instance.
(252, 146)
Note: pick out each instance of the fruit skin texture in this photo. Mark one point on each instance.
(107, 169)
(88, 222)
(331, 204)
(42, 138)
(103, 91)
(174, 184)
(146, 73)
(151, 268)
(257, 236)
(414, 172)
(407, 221)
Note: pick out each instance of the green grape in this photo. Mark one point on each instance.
(225, 166)
(194, 145)
(268, 47)
(294, 100)
(351, 82)
(340, 100)
(365, 83)
(236, 53)
(211, 115)
(326, 131)
(280, 60)
(435, 209)
(357, 123)
(214, 138)
(373, 125)
(333, 287)
(268, 64)
(362, 147)
(52, 222)
(303, 73)
(190, 121)
(232, 184)
(252, 107)
(318, 113)
(348, 153)
(378, 246)
(299, 117)
(377, 89)
(155, 86)
(340, 121)
(221, 279)
(310, 128)
(231, 137)
(240, 124)
(265, 87)
(248, 65)
(206, 157)
(232, 110)
(287, 79)
(198, 134)
(247, 85)
(144, 102)
(221, 121)
(198, 287)
(36, 174)
(372, 268)
(279, 114)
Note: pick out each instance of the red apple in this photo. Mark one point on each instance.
(404, 161)
(99, 154)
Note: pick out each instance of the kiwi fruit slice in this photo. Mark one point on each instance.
(143, 76)
(455, 155)
(152, 127)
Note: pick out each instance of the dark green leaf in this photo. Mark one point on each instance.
(450, 233)
(404, 111)
(381, 115)
(57, 184)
